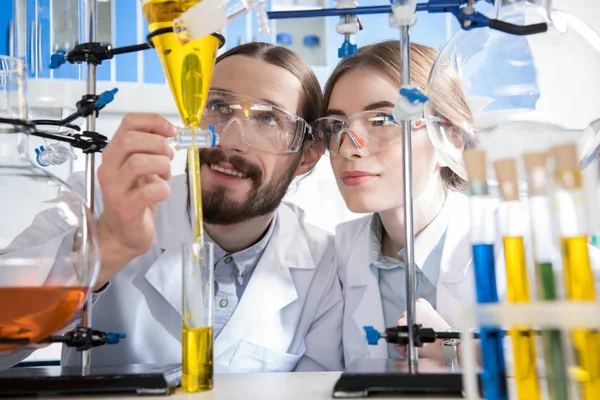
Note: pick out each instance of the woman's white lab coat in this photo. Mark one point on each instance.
(455, 287)
(289, 317)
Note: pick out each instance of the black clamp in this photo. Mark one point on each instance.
(399, 335)
(91, 53)
(94, 52)
(88, 105)
(89, 142)
(85, 338)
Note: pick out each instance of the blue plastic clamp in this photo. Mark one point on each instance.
(373, 335)
(57, 59)
(106, 98)
(348, 49)
(211, 128)
(114, 337)
(413, 95)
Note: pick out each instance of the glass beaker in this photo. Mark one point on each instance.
(197, 317)
(48, 252)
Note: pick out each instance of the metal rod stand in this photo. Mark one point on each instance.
(412, 353)
(90, 167)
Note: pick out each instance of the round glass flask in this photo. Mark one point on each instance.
(48, 252)
(515, 95)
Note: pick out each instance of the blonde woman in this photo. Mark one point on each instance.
(359, 99)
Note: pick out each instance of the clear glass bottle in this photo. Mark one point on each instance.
(48, 251)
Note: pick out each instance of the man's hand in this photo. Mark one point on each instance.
(136, 166)
(428, 317)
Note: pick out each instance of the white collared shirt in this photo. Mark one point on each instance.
(391, 272)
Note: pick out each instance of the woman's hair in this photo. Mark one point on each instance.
(312, 95)
(446, 96)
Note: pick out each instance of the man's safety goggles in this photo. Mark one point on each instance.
(262, 125)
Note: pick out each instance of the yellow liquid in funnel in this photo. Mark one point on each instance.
(188, 67)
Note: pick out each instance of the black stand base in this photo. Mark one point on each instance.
(57, 381)
(365, 378)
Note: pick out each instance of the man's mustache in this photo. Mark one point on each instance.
(239, 163)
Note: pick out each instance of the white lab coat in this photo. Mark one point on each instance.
(289, 317)
(455, 287)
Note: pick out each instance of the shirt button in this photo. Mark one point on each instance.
(244, 273)
(228, 259)
(223, 303)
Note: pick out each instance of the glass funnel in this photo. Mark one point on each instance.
(48, 253)
(188, 66)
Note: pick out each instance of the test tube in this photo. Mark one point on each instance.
(197, 317)
(483, 237)
(573, 224)
(512, 230)
(538, 183)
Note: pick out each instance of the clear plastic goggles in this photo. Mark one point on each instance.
(369, 131)
(262, 125)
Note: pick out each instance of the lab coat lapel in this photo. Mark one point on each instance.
(172, 230)
(363, 290)
(453, 290)
(258, 318)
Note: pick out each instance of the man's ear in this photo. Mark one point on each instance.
(311, 154)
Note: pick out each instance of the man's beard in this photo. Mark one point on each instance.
(263, 198)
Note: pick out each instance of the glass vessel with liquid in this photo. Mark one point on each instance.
(48, 253)
(197, 317)
(188, 63)
(188, 67)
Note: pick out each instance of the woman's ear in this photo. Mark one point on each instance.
(311, 154)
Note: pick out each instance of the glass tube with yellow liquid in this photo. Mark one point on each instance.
(573, 225)
(188, 64)
(197, 317)
(512, 230)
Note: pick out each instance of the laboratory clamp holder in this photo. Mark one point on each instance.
(370, 378)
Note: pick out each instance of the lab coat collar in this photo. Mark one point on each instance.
(270, 288)
(171, 219)
(426, 242)
(363, 283)
(457, 255)
(172, 230)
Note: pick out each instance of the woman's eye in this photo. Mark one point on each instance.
(268, 119)
(337, 126)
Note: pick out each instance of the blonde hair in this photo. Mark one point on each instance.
(446, 96)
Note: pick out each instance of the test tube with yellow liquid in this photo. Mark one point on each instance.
(570, 200)
(512, 230)
(188, 59)
(197, 317)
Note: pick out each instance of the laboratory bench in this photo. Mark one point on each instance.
(259, 386)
